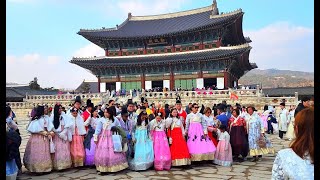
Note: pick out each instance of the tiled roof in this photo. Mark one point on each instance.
(162, 25)
(23, 91)
(289, 91)
(93, 87)
(154, 59)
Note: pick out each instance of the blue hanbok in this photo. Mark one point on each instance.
(143, 148)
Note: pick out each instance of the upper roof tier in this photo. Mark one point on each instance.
(164, 24)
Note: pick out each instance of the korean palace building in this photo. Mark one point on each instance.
(195, 48)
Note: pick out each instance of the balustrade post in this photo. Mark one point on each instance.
(296, 97)
(258, 91)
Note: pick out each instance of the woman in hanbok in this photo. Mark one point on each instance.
(212, 128)
(223, 155)
(290, 133)
(162, 155)
(37, 158)
(127, 125)
(106, 159)
(200, 146)
(264, 117)
(61, 158)
(143, 145)
(78, 131)
(238, 135)
(255, 131)
(179, 150)
(89, 144)
(297, 162)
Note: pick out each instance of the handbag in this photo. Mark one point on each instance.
(116, 139)
(52, 147)
(262, 141)
(275, 128)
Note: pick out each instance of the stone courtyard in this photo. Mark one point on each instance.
(245, 170)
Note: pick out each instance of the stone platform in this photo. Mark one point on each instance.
(245, 170)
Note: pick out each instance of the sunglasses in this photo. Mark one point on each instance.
(196, 107)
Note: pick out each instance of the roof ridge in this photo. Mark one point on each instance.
(171, 15)
(226, 14)
(245, 45)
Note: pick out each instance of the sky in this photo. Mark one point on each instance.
(41, 35)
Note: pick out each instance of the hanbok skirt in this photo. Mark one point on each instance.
(106, 160)
(223, 156)
(200, 148)
(239, 141)
(37, 156)
(89, 161)
(255, 150)
(11, 170)
(179, 150)
(77, 150)
(61, 157)
(162, 155)
(213, 139)
(290, 133)
(143, 151)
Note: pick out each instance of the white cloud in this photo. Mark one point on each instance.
(49, 70)
(120, 9)
(284, 46)
(30, 58)
(89, 51)
(53, 59)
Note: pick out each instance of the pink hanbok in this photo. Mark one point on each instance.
(106, 160)
(162, 154)
(223, 155)
(200, 147)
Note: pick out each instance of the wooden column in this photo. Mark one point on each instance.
(99, 80)
(226, 79)
(171, 80)
(201, 42)
(107, 52)
(173, 47)
(143, 81)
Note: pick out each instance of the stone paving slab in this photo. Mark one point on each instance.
(199, 171)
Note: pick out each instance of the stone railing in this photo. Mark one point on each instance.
(202, 94)
(64, 97)
(250, 96)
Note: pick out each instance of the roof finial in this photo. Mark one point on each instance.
(215, 10)
(129, 15)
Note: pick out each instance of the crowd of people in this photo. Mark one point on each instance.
(139, 136)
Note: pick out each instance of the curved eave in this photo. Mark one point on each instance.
(170, 58)
(92, 35)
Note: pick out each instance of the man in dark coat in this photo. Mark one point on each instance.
(304, 104)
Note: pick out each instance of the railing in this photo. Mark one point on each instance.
(248, 96)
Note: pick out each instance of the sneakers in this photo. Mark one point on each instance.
(278, 138)
(259, 159)
(290, 139)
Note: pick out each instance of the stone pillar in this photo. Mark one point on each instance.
(296, 97)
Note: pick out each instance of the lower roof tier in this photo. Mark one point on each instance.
(121, 65)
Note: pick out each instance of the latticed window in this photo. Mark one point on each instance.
(190, 48)
(178, 49)
(196, 47)
(169, 50)
(207, 46)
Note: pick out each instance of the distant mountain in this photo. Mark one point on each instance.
(271, 78)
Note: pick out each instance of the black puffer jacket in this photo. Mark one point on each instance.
(299, 108)
(13, 141)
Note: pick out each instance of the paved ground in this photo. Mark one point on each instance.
(245, 170)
